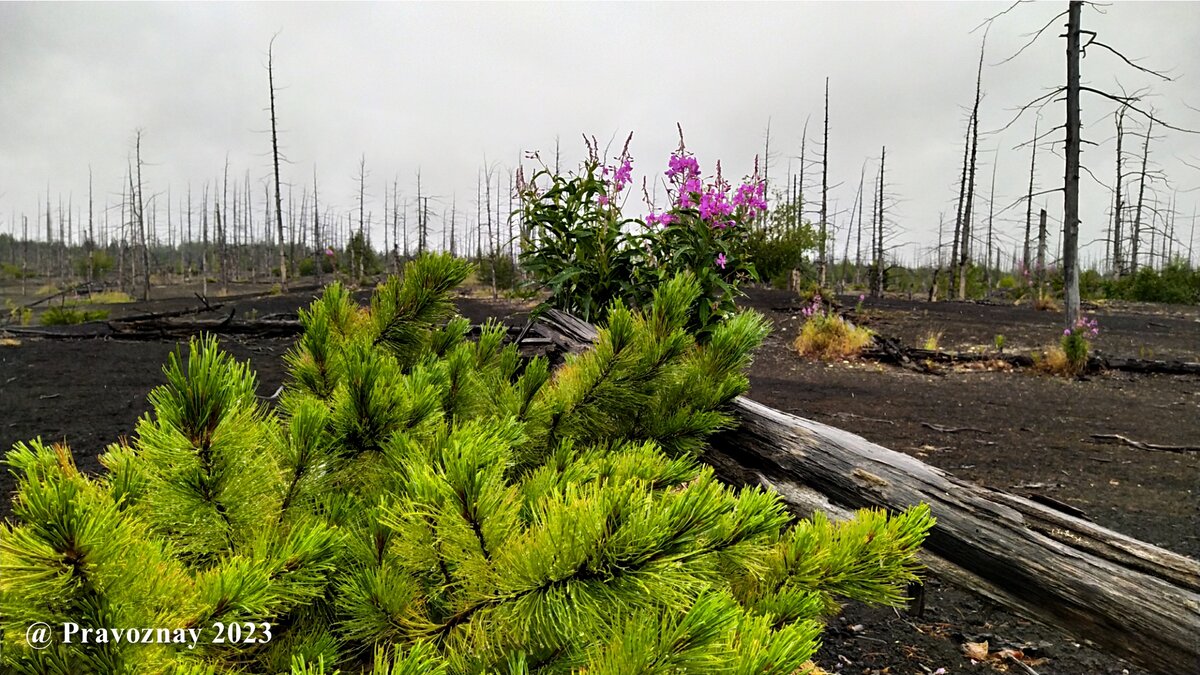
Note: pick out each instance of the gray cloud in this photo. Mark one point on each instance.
(442, 86)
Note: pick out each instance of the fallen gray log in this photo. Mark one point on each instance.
(1124, 596)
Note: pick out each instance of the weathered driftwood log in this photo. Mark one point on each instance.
(1125, 596)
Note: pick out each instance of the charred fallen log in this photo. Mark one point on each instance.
(1125, 596)
(890, 350)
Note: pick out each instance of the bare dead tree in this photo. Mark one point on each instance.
(404, 225)
(1070, 246)
(358, 254)
(766, 172)
(491, 242)
(1025, 259)
(396, 224)
(318, 250)
(1191, 240)
(187, 248)
(958, 217)
(862, 174)
(1135, 237)
(1073, 89)
(204, 241)
(845, 274)
(1041, 253)
(965, 251)
(1118, 264)
(453, 220)
(421, 232)
(25, 253)
(479, 208)
(275, 158)
(825, 188)
(987, 268)
(141, 216)
(800, 185)
(512, 258)
(61, 249)
(878, 280)
(91, 240)
(291, 230)
(220, 223)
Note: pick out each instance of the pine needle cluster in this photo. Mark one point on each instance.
(421, 502)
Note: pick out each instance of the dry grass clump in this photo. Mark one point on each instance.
(829, 336)
(1046, 304)
(1054, 361)
(109, 298)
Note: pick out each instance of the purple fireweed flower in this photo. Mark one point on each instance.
(663, 219)
(328, 251)
(713, 205)
(861, 297)
(602, 200)
(1066, 331)
(721, 260)
(622, 175)
(684, 166)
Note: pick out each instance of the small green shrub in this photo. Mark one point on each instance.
(506, 272)
(780, 247)
(65, 316)
(18, 313)
(1070, 356)
(102, 264)
(11, 271)
(1176, 284)
(932, 341)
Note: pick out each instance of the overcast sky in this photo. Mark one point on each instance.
(442, 87)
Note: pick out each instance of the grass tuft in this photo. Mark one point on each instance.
(932, 341)
(1046, 304)
(829, 336)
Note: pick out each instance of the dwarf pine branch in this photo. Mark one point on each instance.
(423, 502)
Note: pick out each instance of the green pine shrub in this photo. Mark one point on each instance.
(422, 503)
(65, 316)
(1176, 283)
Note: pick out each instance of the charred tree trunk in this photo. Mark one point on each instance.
(1026, 258)
(491, 241)
(878, 274)
(1118, 264)
(1041, 253)
(958, 216)
(1070, 246)
(275, 157)
(141, 221)
(825, 190)
(965, 252)
(1135, 237)
(91, 236)
(987, 267)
